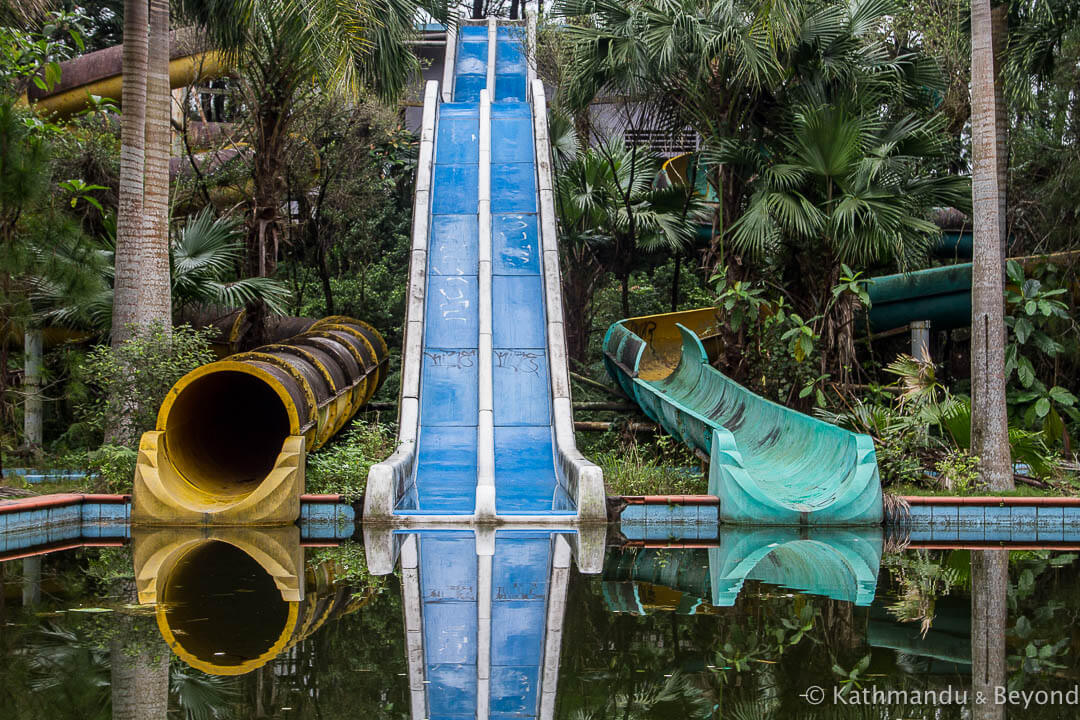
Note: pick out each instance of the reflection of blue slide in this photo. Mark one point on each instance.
(483, 618)
(481, 351)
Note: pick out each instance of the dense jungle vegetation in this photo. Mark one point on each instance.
(833, 142)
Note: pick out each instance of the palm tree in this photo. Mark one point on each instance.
(731, 69)
(612, 218)
(154, 303)
(847, 187)
(286, 52)
(142, 233)
(203, 256)
(989, 429)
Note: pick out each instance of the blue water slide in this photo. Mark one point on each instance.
(483, 619)
(485, 425)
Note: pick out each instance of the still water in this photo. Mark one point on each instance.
(506, 625)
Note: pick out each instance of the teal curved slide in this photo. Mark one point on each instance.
(768, 464)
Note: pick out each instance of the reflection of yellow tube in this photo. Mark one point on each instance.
(230, 602)
(232, 435)
(183, 71)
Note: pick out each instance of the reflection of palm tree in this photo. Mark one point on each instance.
(201, 696)
(74, 676)
(676, 696)
(69, 675)
(139, 660)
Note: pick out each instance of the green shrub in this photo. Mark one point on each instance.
(959, 472)
(111, 469)
(129, 382)
(342, 466)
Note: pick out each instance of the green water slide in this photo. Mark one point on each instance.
(768, 464)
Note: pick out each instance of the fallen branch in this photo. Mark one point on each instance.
(596, 384)
(612, 406)
(604, 426)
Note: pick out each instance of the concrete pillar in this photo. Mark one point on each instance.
(920, 340)
(33, 416)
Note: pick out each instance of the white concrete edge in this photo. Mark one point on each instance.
(493, 35)
(414, 627)
(485, 564)
(558, 582)
(449, 62)
(530, 49)
(587, 476)
(381, 496)
(485, 431)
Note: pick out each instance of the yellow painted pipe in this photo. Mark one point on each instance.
(232, 435)
(183, 71)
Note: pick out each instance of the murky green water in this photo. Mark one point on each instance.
(657, 634)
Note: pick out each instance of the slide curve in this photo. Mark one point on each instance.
(768, 464)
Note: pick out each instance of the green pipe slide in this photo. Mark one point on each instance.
(941, 295)
(769, 465)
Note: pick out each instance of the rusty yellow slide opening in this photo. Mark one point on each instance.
(232, 435)
(224, 432)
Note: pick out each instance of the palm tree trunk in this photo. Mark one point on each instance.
(675, 282)
(33, 415)
(155, 302)
(989, 617)
(139, 661)
(129, 214)
(989, 419)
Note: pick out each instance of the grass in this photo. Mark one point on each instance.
(656, 467)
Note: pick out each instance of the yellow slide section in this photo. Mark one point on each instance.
(232, 435)
(99, 73)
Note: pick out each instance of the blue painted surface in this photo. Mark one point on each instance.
(327, 521)
(515, 245)
(450, 256)
(448, 597)
(34, 476)
(519, 587)
(526, 476)
(510, 64)
(445, 476)
(90, 521)
(513, 187)
(454, 189)
(449, 580)
(446, 470)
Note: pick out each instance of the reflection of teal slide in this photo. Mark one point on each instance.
(839, 563)
(769, 465)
